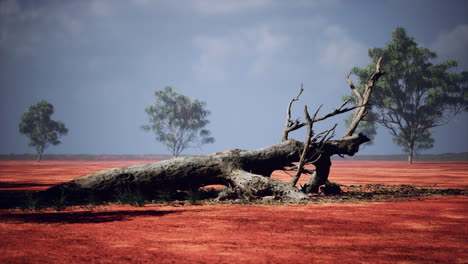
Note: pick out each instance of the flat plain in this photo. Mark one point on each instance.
(431, 229)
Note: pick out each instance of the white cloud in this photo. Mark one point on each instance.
(340, 51)
(228, 6)
(255, 48)
(453, 45)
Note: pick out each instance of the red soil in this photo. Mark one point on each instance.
(427, 231)
(32, 175)
(446, 174)
(35, 176)
(421, 231)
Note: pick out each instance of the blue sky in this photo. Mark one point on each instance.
(100, 61)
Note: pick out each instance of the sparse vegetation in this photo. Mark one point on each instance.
(31, 201)
(59, 202)
(125, 195)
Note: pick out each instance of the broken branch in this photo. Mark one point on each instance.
(364, 100)
(290, 125)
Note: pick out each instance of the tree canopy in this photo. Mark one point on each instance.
(415, 95)
(41, 130)
(178, 121)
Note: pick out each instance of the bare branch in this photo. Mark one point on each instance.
(338, 111)
(302, 161)
(294, 168)
(327, 132)
(364, 101)
(375, 77)
(315, 160)
(290, 125)
(353, 88)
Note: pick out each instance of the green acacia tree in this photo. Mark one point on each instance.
(41, 130)
(178, 121)
(414, 95)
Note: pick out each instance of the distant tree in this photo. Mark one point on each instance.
(415, 95)
(178, 121)
(40, 128)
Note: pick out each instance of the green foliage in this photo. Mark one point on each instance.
(178, 121)
(414, 95)
(42, 131)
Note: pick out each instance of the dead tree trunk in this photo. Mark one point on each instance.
(246, 171)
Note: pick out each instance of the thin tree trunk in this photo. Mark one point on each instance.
(410, 156)
(411, 153)
(40, 151)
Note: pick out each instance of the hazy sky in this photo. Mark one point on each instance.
(100, 61)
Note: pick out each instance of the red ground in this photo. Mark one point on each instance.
(32, 175)
(446, 174)
(430, 231)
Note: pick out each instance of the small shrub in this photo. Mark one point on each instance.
(127, 196)
(59, 203)
(138, 198)
(31, 202)
(93, 199)
(123, 195)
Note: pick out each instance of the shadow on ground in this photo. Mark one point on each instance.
(14, 185)
(79, 217)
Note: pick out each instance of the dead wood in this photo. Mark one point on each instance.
(246, 171)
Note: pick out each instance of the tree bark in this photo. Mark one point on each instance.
(248, 171)
(40, 151)
(410, 156)
(320, 176)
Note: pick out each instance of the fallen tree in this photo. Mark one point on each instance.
(244, 172)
